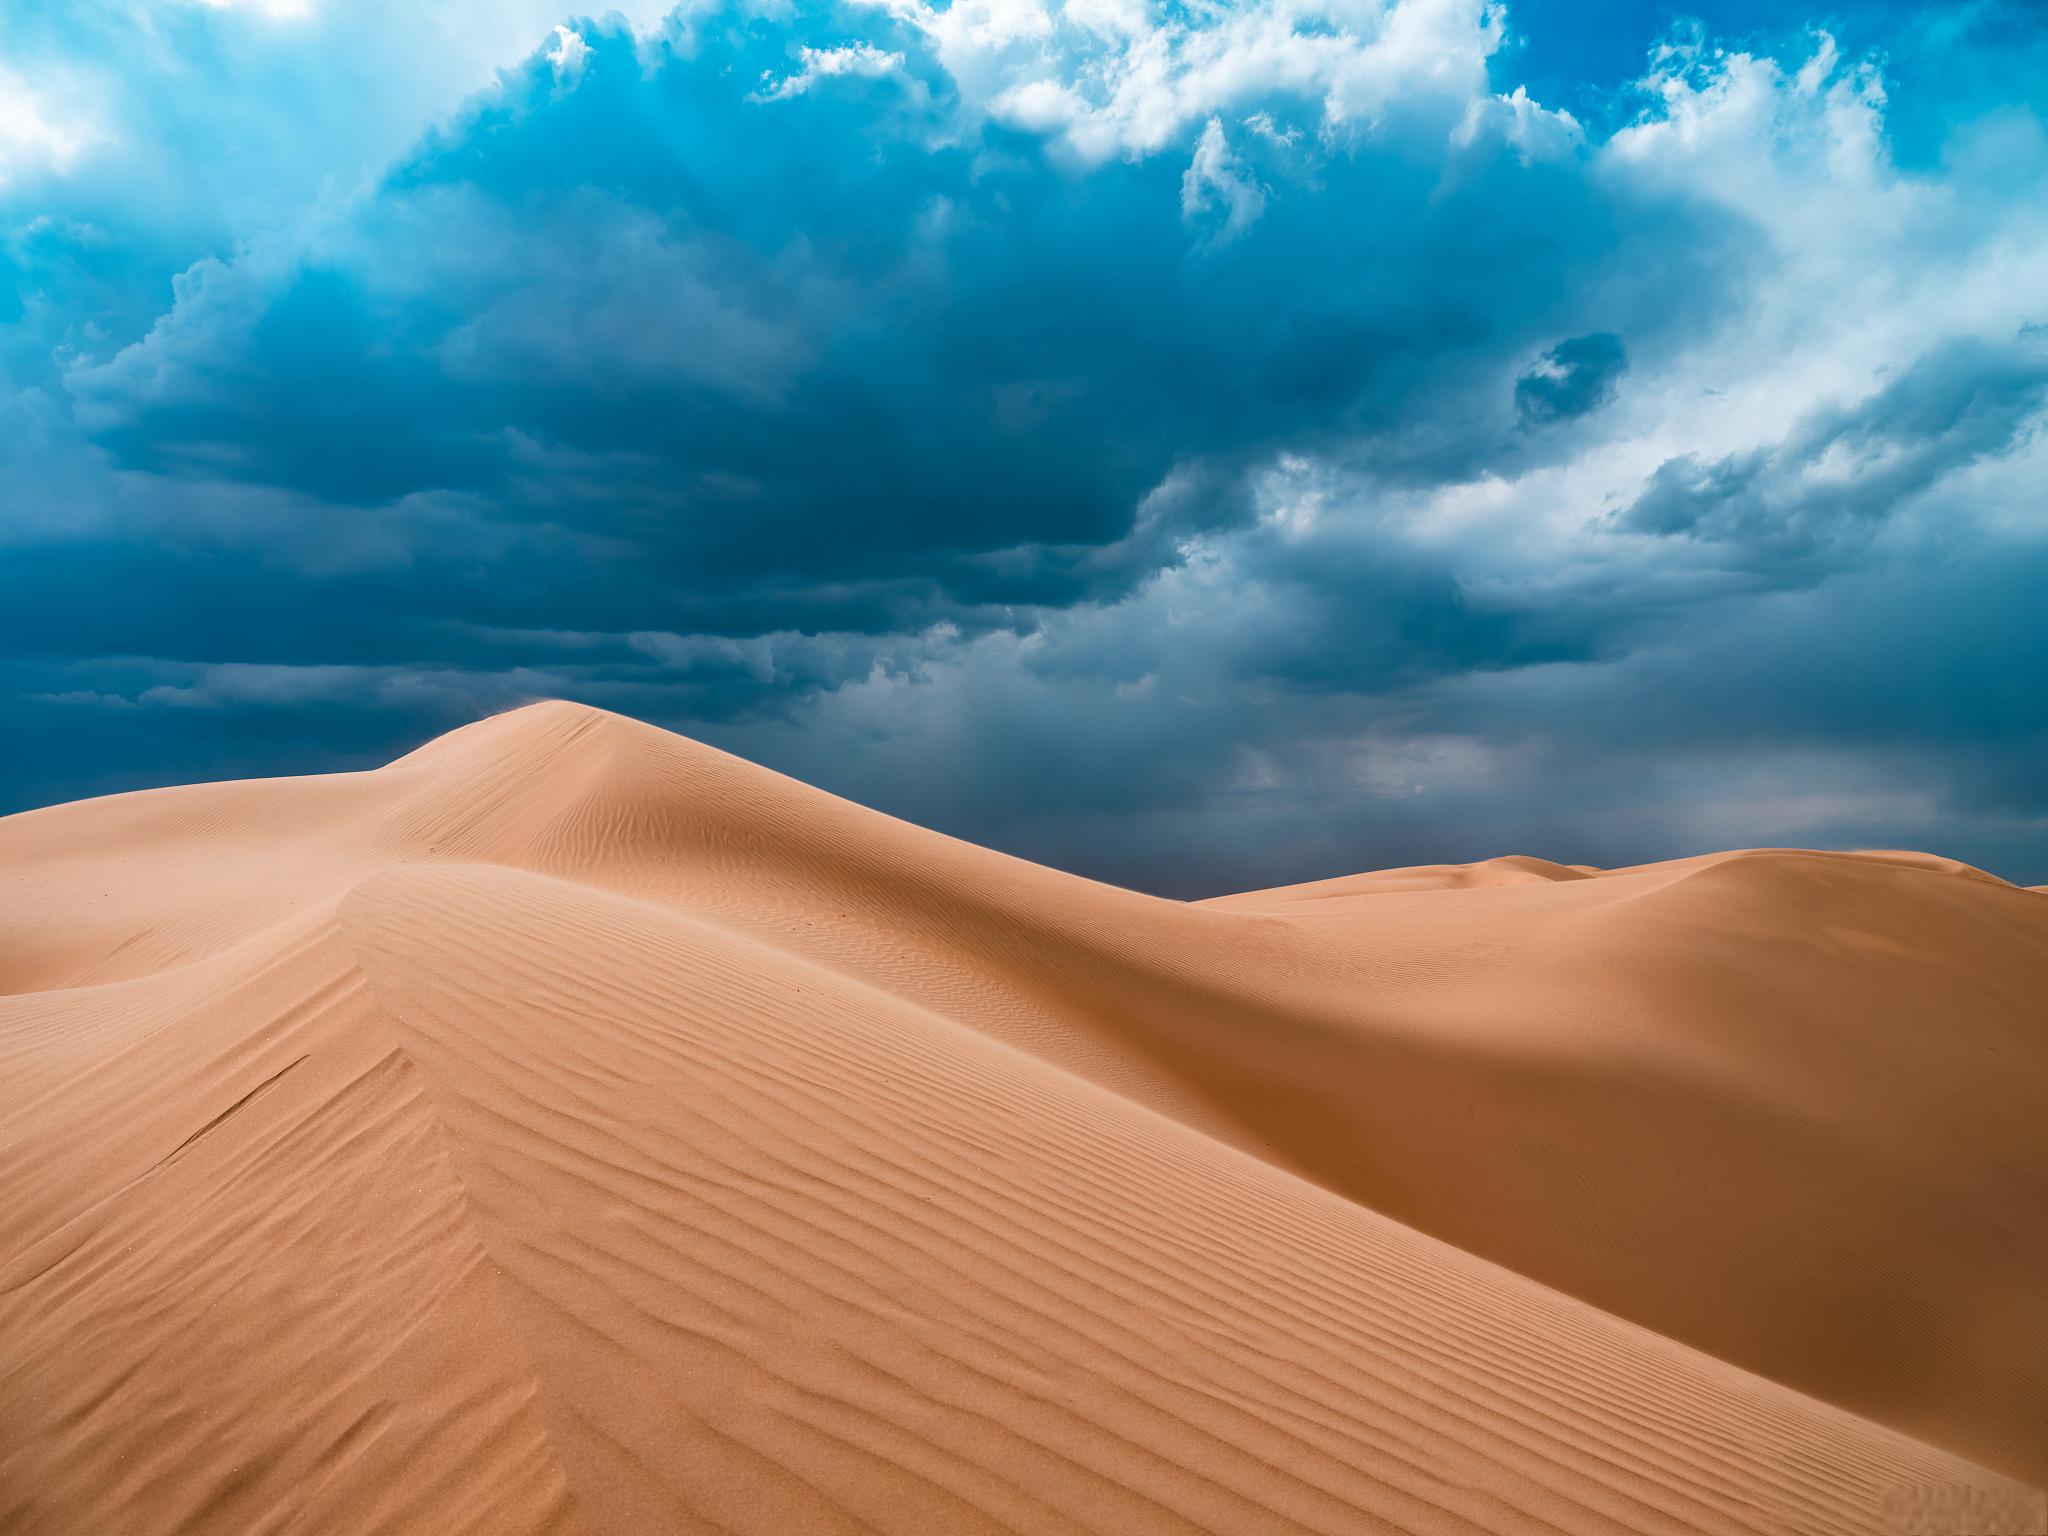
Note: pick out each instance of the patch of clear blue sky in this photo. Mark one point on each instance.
(1943, 63)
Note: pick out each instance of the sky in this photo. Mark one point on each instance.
(1199, 446)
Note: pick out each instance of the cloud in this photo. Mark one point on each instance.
(1571, 379)
(43, 132)
(858, 60)
(1196, 448)
(782, 360)
(1113, 80)
(275, 10)
(1216, 180)
(568, 55)
(1849, 468)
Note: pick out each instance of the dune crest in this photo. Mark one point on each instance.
(571, 1127)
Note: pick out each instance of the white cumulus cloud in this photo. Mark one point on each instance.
(1216, 180)
(860, 59)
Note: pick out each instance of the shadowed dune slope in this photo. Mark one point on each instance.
(573, 1128)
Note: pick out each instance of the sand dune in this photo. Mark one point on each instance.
(572, 1128)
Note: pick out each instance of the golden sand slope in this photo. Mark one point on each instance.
(573, 1128)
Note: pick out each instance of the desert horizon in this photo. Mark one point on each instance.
(573, 1127)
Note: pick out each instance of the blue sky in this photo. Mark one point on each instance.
(1202, 446)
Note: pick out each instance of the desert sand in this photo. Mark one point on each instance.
(572, 1128)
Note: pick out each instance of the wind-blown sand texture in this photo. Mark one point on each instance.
(573, 1128)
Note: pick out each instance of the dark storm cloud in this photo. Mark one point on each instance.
(668, 306)
(1571, 379)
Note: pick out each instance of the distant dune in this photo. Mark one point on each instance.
(572, 1128)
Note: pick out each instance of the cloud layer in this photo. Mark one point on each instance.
(1203, 450)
